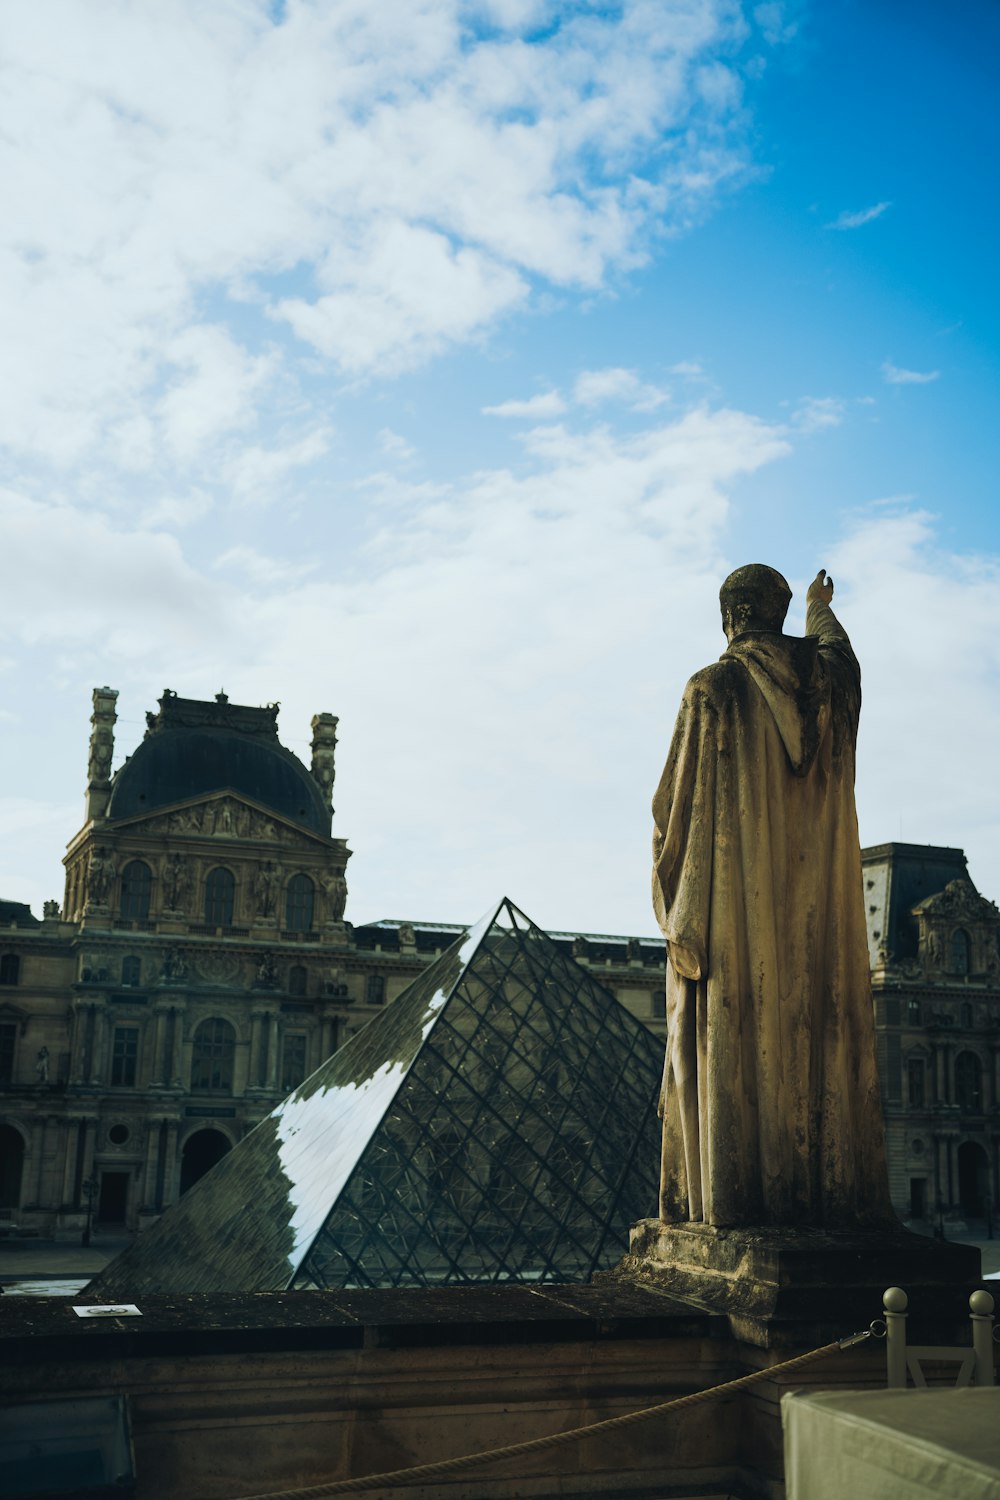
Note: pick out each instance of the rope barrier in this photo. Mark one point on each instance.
(397, 1478)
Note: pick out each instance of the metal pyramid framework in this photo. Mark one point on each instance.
(495, 1123)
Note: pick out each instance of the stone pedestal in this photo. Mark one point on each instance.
(781, 1287)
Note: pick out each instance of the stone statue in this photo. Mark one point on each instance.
(175, 881)
(770, 1103)
(335, 890)
(265, 887)
(42, 1064)
(407, 936)
(267, 973)
(100, 874)
(174, 965)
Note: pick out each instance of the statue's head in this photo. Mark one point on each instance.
(755, 597)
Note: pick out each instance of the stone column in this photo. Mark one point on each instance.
(170, 1174)
(160, 1015)
(950, 1153)
(72, 1143)
(946, 1068)
(102, 745)
(39, 1136)
(324, 745)
(78, 1050)
(149, 1166)
(256, 1038)
(939, 1178)
(99, 1049)
(994, 1099)
(934, 1091)
(176, 1023)
(274, 1047)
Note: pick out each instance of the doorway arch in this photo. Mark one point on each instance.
(201, 1152)
(973, 1178)
(11, 1166)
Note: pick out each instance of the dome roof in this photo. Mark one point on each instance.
(192, 748)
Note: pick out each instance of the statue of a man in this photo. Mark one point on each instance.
(770, 1101)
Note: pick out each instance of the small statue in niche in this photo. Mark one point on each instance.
(174, 965)
(175, 881)
(934, 948)
(42, 1064)
(267, 973)
(100, 874)
(265, 887)
(335, 890)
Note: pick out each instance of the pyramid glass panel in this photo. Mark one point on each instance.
(495, 1123)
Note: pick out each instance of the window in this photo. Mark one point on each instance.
(297, 979)
(299, 904)
(918, 1197)
(915, 1080)
(8, 1042)
(131, 970)
(293, 1060)
(124, 1052)
(968, 1082)
(375, 990)
(959, 952)
(137, 886)
(658, 1003)
(913, 1012)
(212, 1056)
(10, 968)
(892, 1012)
(966, 1016)
(220, 895)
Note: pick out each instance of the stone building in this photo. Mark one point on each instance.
(936, 981)
(199, 967)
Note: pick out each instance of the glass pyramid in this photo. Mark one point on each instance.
(495, 1123)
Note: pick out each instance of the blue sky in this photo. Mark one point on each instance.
(432, 363)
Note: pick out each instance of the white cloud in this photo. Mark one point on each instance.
(170, 512)
(926, 626)
(497, 657)
(396, 446)
(893, 375)
(545, 404)
(260, 569)
(848, 220)
(385, 182)
(596, 387)
(256, 475)
(814, 413)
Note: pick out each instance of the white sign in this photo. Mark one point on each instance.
(109, 1310)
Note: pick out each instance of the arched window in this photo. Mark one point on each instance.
(220, 895)
(959, 952)
(201, 1152)
(968, 1082)
(137, 886)
(212, 1057)
(10, 968)
(131, 971)
(299, 904)
(297, 979)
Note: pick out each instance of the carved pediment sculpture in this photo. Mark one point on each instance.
(958, 902)
(223, 818)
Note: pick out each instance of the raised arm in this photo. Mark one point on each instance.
(834, 642)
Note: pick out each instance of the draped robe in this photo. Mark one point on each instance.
(770, 1103)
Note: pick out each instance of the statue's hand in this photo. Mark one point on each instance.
(820, 591)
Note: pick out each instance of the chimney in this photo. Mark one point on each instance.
(102, 749)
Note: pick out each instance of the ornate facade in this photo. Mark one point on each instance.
(936, 982)
(199, 966)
